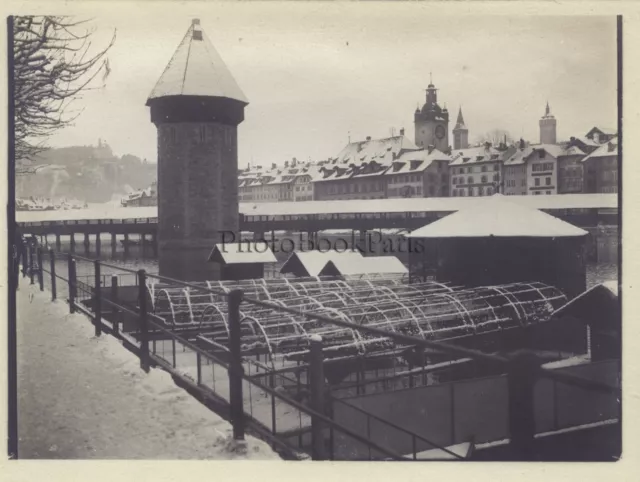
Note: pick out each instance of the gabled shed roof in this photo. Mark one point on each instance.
(499, 217)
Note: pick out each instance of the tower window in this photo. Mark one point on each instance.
(172, 134)
(203, 134)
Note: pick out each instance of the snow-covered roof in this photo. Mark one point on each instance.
(416, 161)
(197, 69)
(242, 253)
(385, 264)
(609, 288)
(608, 149)
(496, 216)
(398, 205)
(350, 266)
(374, 149)
(314, 261)
(472, 155)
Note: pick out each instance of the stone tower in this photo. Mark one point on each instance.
(432, 122)
(196, 106)
(460, 133)
(548, 127)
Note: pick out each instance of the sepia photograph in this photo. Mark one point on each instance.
(315, 234)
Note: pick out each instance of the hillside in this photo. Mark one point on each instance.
(88, 173)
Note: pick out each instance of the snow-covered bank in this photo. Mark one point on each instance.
(85, 397)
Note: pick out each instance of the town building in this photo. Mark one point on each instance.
(570, 170)
(542, 168)
(145, 197)
(601, 169)
(421, 173)
(357, 172)
(432, 123)
(477, 171)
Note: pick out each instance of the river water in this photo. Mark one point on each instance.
(142, 258)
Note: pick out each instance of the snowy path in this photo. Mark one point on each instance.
(83, 397)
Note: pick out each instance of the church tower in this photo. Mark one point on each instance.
(432, 122)
(460, 133)
(196, 107)
(548, 127)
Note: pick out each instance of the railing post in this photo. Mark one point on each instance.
(40, 271)
(25, 261)
(97, 298)
(317, 386)
(72, 283)
(521, 379)
(114, 301)
(31, 270)
(235, 365)
(144, 328)
(52, 269)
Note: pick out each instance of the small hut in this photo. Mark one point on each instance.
(599, 309)
(240, 261)
(370, 266)
(310, 263)
(497, 241)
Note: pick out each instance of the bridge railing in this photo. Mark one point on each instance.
(228, 379)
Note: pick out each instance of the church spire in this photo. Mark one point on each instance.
(460, 120)
(547, 111)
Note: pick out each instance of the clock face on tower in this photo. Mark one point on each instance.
(439, 132)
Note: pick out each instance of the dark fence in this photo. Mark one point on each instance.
(289, 406)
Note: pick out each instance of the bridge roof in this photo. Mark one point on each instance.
(447, 204)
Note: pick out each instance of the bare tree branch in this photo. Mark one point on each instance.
(53, 64)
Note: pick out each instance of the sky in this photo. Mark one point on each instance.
(316, 77)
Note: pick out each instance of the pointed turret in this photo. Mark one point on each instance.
(460, 120)
(548, 126)
(460, 133)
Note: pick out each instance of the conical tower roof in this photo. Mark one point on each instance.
(196, 69)
(460, 120)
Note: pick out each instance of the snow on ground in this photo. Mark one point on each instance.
(81, 396)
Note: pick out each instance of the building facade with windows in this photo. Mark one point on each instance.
(477, 171)
(422, 173)
(542, 169)
(601, 169)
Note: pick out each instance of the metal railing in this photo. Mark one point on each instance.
(230, 381)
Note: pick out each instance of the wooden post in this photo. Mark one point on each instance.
(40, 271)
(316, 382)
(236, 370)
(521, 379)
(58, 243)
(72, 283)
(144, 329)
(72, 242)
(31, 270)
(114, 299)
(52, 269)
(97, 298)
(98, 245)
(113, 244)
(25, 260)
(126, 244)
(87, 243)
(154, 244)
